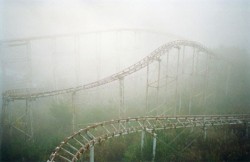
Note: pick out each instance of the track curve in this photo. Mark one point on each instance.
(153, 56)
(74, 146)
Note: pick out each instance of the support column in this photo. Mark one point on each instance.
(177, 84)
(167, 75)
(191, 86)
(142, 144)
(31, 121)
(190, 104)
(28, 48)
(193, 62)
(206, 81)
(118, 50)
(183, 55)
(228, 77)
(26, 117)
(3, 126)
(4, 109)
(154, 146)
(142, 140)
(180, 85)
(147, 89)
(158, 82)
(92, 154)
(204, 128)
(77, 57)
(197, 63)
(166, 98)
(205, 133)
(28, 130)
(53, 64)
(73, 111)
(122, 111)
(7, 117)
(99, 62)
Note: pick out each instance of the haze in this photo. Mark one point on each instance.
(66, 64)
(212, 22)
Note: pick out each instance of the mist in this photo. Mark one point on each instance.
(228, 21)
(66, 65)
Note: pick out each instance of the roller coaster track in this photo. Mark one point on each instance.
(155, 55)
(74, 146)
(85, 33)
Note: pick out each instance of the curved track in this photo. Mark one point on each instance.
(155, 55)
(74, 146)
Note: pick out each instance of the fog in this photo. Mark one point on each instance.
(49, 45)
(224, 22)
(212, 23)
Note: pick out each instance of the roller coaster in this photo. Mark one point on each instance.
(74, 146)
(154, 56)
(181, 78)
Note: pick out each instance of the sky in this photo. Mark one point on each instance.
(211, 22)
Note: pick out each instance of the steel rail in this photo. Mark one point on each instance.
(155, 55)
(74, 146)
(23, 40)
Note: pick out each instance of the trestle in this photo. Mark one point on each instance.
(28, 121)
(158, 81)
(205, 132)
(77, 57)
(73, 111)
(227, 79)
(122, 110)
(205, 86)
(191, 88)
(154, 146)
(147, 84)
(142, 140)
(177, 81)
(92, 153)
